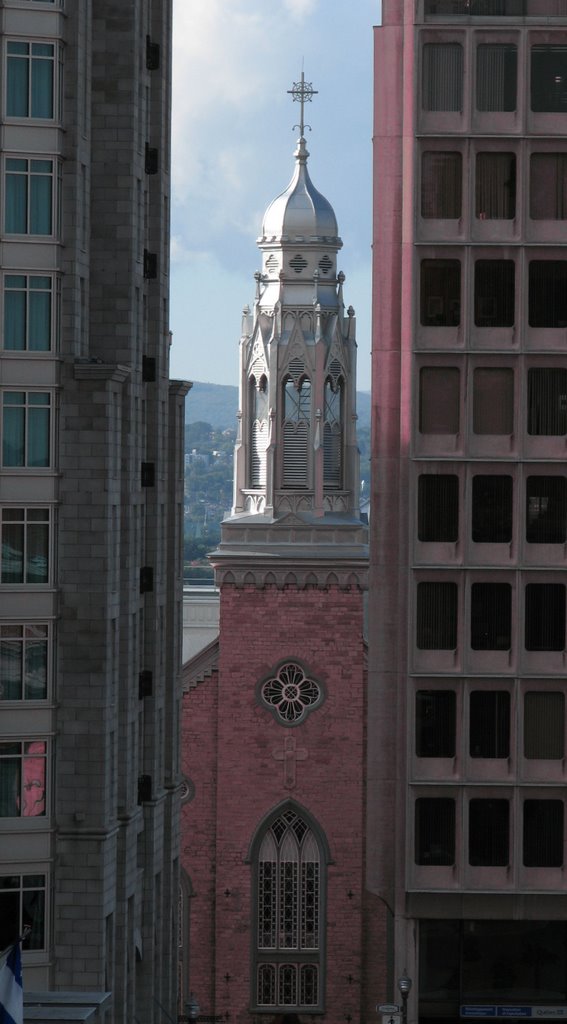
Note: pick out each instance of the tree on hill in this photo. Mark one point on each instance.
(195, 432)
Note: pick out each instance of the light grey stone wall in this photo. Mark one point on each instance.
(110, 850)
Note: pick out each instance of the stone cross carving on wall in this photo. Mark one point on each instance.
(290, 755)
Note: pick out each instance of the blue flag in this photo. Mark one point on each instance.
(11, 992)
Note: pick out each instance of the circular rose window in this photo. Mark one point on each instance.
(290, 694)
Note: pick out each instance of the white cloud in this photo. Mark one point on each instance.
(300, 8)
(179, 252)
(234, 61)
(230, 59)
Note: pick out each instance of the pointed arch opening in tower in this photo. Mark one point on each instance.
(295, 432)
(290, 878)
(333, 433)
(258, 405)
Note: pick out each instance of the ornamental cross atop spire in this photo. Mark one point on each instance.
(302, 92)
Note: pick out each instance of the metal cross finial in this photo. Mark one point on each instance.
(302, 92)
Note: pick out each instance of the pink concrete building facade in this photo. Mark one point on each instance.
(467, 649)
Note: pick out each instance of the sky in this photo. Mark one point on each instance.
(232, 153)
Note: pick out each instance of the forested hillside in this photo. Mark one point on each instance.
(210, 433)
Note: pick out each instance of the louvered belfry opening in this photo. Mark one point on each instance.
(296, 431)
(333, 433)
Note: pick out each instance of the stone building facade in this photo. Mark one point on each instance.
(91, 501)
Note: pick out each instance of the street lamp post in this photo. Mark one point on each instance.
(192, 1009)
(404, 987)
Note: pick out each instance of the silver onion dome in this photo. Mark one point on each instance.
(300, 211)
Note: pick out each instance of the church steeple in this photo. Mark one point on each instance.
(296, 451)
(296, 475)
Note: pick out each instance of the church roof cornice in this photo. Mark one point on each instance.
(201, 666)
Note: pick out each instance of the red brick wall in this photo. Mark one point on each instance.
(259, 628)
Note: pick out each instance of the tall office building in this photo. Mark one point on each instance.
(467, 661)
(90, 498)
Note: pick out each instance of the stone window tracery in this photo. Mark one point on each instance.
(290, 694)
(258, 430)
(333, 433)
(290, 879)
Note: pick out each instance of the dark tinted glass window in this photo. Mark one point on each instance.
(495, 191)
(489, 832)
(494, 293)
(442, 83)
(439, 400)
(489, 723)
(548, 293)
(491, 616)
(543, 833)
(492, 509)
(435, 723)
(434, 831)
(472, 961)
(545, 617)
(547, 401)
(494, 9)
(496, 72)
(493, 400)
(546, 509)
(438, 507)
(441, 185)
(22, 909)
(544, 724)
(548, 186)
(437, 616)
(440, 302)
(549, 78)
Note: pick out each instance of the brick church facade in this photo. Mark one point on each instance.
(275, 918)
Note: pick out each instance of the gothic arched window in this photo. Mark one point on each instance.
(295, 432)
(290, 866)
(258, 430)
(333, 434)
